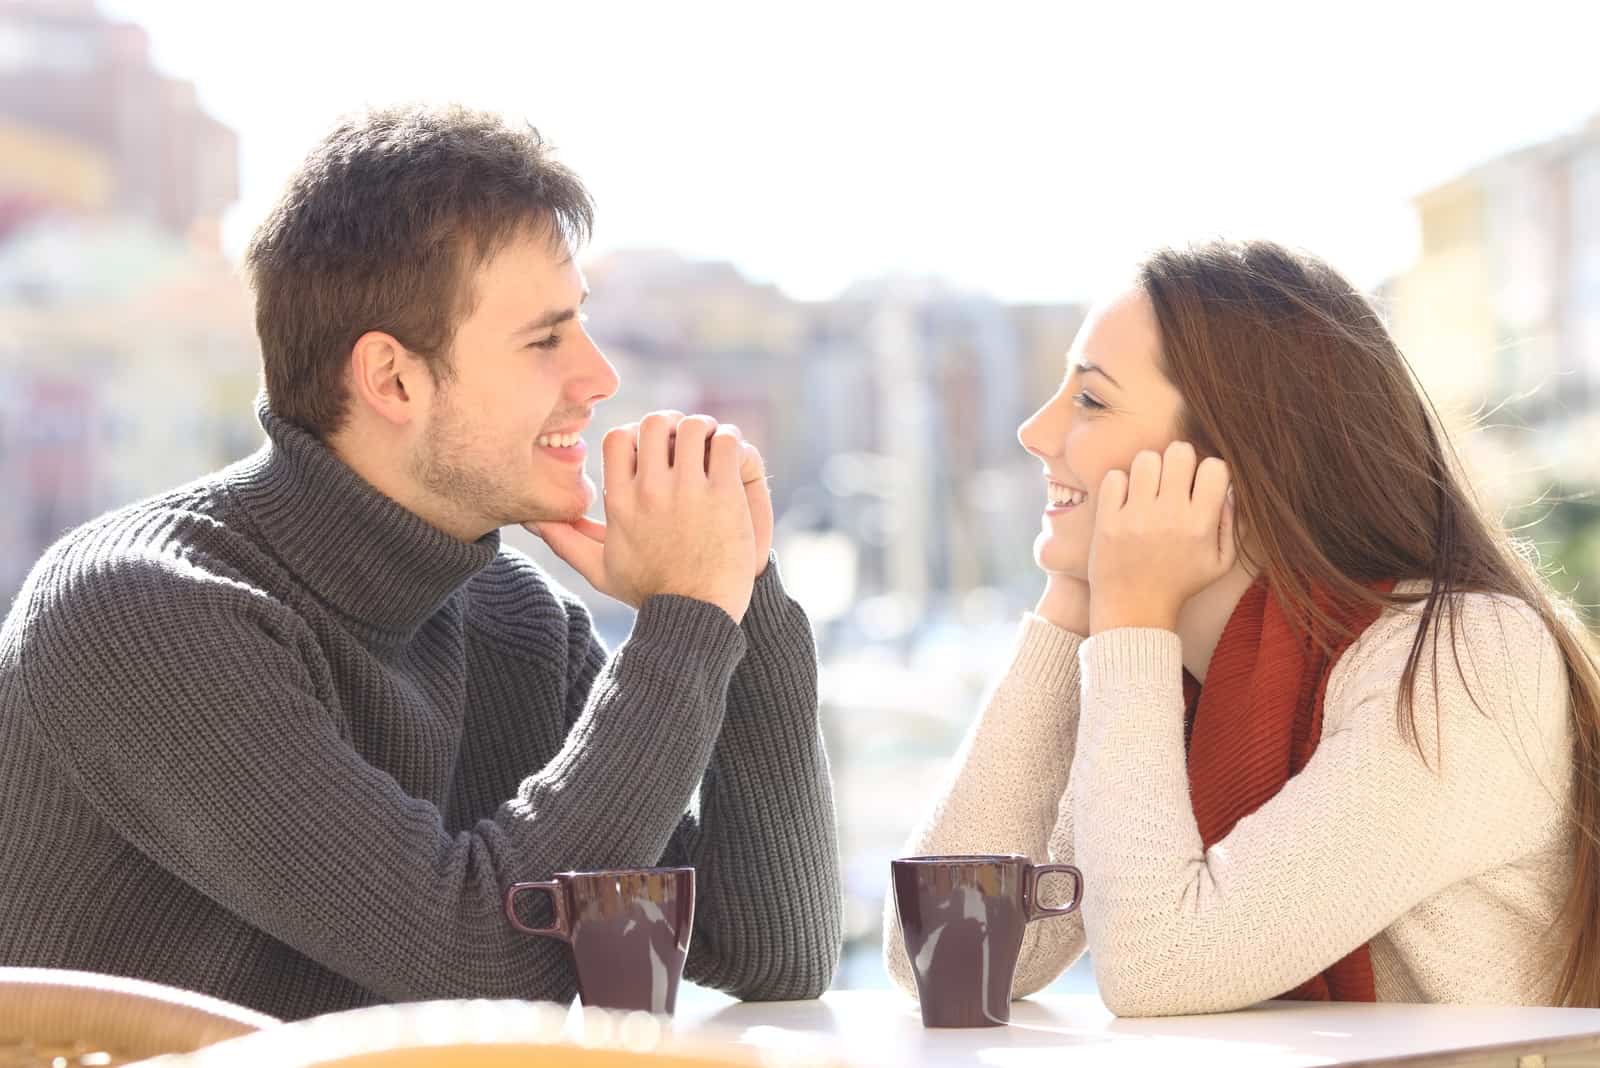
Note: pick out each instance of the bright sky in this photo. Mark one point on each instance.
(1030, 150)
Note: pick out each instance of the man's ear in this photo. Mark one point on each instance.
(387, 379)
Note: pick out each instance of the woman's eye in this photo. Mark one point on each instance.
(1086, 400)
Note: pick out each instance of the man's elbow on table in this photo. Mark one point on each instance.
(799, 973)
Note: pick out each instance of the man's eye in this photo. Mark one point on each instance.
(553, 341)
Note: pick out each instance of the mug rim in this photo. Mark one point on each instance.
(960, 858)
(625, 871)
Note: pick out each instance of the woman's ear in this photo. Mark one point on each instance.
(1247, 552)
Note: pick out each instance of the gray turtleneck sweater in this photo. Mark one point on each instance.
(273, 737)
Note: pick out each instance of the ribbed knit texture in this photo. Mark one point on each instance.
(273, 737)
(1452, 867)
(1256, 724)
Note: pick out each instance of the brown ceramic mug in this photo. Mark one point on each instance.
(963, 918)
(629, 932)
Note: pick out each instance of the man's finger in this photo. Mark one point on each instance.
(694, 434)
(619, 455)
(655, 442)
(758, 498)
(722, 458)
(752, 468)
(590, 528)
(583, 553)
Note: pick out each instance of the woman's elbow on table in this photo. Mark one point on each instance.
(897, 966)
(1132, 992)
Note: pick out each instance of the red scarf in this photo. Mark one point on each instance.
(1253, 727)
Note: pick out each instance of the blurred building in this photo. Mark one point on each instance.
(44, 172)
(1501, 311)
(71, 76)
(887, 417)
(127, 352)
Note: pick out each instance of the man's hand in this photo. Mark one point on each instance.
(753, 473)
(678, 516)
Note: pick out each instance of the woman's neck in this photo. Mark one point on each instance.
(1203, 616)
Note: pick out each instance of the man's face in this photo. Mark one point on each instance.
(525, 380)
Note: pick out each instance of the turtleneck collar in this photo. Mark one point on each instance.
(363, 553)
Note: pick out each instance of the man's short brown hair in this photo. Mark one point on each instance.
(381, 228)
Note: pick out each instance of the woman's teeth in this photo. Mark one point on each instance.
(1062, 496)
(557, 441)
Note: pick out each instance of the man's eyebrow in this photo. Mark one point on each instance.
(551, 318)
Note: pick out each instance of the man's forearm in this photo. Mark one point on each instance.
(765, 844)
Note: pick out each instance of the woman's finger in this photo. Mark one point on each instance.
(1177, 472)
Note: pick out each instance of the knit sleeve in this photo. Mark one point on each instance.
(201, 721)
(763, 839)
(1370, 829)
(1005, 795)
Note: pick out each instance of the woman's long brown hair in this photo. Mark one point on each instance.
(1343, 475)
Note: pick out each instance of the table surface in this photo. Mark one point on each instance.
(883, 1027)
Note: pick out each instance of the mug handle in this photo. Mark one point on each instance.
(1030, 886)
(559, 928)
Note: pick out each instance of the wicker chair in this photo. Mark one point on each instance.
(90, 1019)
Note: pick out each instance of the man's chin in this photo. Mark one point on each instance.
(553, 508)
(533, 519)
(546, 512)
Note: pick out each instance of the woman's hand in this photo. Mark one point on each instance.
(1163, 531)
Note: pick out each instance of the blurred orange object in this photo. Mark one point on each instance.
(48, 1015)
(479, 1034)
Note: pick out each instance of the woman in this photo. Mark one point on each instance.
(1305, 719)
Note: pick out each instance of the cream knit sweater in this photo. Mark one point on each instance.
(1453, 870)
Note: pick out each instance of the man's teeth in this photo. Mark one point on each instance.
(1062, 496)
(558, 441)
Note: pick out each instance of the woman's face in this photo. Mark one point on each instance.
(1114, 402)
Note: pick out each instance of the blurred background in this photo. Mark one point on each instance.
(866, 233)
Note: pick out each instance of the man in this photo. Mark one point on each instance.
(286, 735)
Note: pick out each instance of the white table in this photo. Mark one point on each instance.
(883, 1027)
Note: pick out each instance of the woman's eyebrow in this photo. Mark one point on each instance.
(1089, 368)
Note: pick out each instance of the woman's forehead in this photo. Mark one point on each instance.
(1120, 336)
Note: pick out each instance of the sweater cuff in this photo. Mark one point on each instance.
(771, 610)
(1131, 656)
(1045, 655)
(698, 627)
(779, 670)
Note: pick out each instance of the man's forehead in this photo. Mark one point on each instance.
(547, 272)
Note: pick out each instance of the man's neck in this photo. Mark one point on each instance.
(382, 465)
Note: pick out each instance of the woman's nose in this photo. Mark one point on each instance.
(1042, 432)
